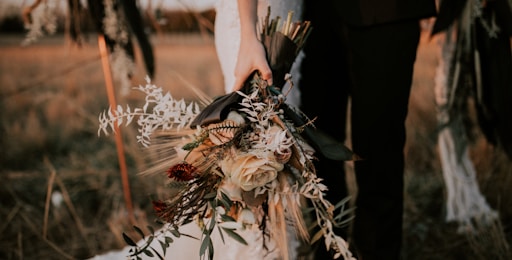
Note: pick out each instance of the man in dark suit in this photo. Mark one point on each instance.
(361, 55)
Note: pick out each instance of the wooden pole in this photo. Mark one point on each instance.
(109, 84)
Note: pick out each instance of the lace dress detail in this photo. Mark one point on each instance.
(227, 37)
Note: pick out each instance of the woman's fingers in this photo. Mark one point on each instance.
(266, 74)
(240, 80)
(242, 75)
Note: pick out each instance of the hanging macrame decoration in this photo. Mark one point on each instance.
(119, 21)
(466, 71)
(464, 200)
(39, 21)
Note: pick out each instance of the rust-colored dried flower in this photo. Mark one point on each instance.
(159, 206)
(182, 172)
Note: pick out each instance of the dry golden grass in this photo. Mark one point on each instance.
(52, 93)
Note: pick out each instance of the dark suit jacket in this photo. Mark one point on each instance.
(370, 12)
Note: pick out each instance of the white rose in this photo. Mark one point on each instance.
(231, 189)
(251, 170)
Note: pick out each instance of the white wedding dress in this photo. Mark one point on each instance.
(227, 42)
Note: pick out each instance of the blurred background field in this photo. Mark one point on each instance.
(51, 97)
(60, 188)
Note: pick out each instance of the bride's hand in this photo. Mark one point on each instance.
(251, 57)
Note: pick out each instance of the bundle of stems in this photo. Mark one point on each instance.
(297, 31)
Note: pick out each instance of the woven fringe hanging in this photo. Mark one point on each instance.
(465, 203)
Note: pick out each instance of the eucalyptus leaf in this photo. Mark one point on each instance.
(227, 218)
(148, 253)
(168, 240)
(151, 229)
(234, 235)
(175, 232)
(128, 240)
(164, 246)
(205, 244)
(221, 234)
(139, 231)
(225, 200)
(158, 254)
(210, 195)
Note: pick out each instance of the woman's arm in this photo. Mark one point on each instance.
(251, 56)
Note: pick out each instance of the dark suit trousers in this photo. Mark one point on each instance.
(369, 69)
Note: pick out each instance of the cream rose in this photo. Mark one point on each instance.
(231, 189)
(251, 170)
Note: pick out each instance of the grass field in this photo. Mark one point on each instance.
(52, 93)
